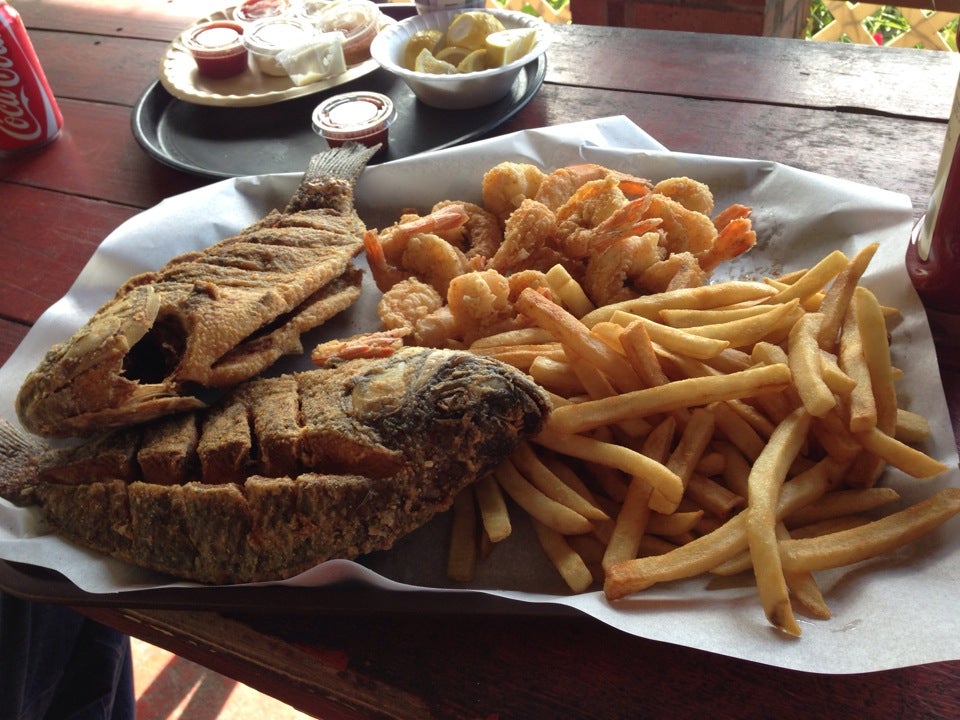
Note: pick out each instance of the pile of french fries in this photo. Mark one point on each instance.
(734, 427)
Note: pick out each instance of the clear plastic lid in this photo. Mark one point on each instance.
(271, 35)
(215, 37)
(353, 115)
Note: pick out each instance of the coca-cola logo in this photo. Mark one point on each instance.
(16, 120)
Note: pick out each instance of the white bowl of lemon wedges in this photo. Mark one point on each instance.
(461, 59)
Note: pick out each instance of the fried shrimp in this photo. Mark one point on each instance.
(736, 237)
(480, 236)
(527, 239)
(629, 219)
(692, 194)
(560, 185)
(684, 230)
(612, 272)
(413, 248)
(507, 185)
(584, 235)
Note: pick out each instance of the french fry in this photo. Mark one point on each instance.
(510, 338)
(875, 538)
(708, 551)
(656, 445)
(493, 509)
(532, 468)
(675, 395)
(677, 523)
(694, 438)
(842, 502)
(713, 497)
(569, 330)
(700, 298)
(861, 406)
(539, 506)
(835, 301)
(569, 291)
(803, 587)
(911, 427)
(556, 375)
(630, 524)
(830, 525)
(804, 360)
(750, 330)
(900, 455)
(876, 351)
(638, 347)
(693, 345)
(690, 317)
(667, 485)
(571, 566)
(711, 463)
(598, 386)
(766, 478)
(737, 430)
(836, 379)
(812, 281)
(462, 554)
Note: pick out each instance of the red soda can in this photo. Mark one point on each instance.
(29, 115)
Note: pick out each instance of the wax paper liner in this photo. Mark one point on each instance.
(889, 612)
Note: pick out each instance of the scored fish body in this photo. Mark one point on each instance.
(288, 471)
(210, 319)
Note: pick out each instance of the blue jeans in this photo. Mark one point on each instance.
(55, 664)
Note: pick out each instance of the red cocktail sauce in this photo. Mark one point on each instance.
(933, 255)
(364, 117)
(218, 49)
(253, 10)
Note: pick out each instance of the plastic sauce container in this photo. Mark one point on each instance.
(363, 117)
(358, 20)
(218, 49)
(265, 39)
(253, 10)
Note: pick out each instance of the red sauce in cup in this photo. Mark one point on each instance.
(363, 117)
(217, 47)
(253, 10)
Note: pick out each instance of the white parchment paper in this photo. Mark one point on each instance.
(890, 612)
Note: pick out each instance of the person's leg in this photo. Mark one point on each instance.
(54, 663)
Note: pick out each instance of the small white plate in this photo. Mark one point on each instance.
(179, 76)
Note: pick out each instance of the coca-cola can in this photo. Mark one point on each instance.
(29, 115)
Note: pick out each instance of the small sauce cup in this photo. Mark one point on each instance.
(253, 10)
(363, 117)
(358, 20)
(218, 49)
(266, 38)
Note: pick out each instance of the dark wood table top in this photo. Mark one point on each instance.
(872, 115)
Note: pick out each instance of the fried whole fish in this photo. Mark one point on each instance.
(207, 319)
(287, 471)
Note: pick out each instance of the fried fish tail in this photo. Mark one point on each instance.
(329, 179)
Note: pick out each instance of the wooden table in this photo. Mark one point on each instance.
(872, 115)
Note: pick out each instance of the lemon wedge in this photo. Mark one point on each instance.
(475, 61)
(505, 46)
(470, 29)
(420, 40)
(427, 62)
(453, 55)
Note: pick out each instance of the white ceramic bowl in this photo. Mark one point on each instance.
(463, 90)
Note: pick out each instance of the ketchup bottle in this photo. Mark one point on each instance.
(933, 255)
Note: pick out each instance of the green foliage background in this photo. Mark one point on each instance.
(887, 21)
